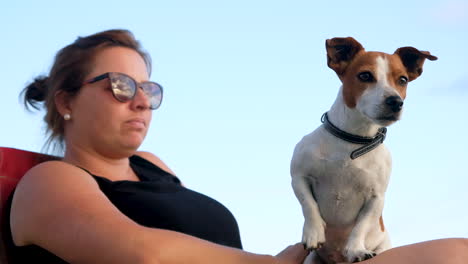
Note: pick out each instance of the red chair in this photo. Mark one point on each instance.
(14, 163)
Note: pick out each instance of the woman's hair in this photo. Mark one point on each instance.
(71, 65)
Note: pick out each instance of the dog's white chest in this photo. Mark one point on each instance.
(339, 184)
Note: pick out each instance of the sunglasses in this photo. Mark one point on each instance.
(124, 88)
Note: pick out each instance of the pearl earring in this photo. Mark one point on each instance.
(66, 117)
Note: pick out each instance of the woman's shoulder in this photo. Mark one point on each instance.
(44, 194)
(54, 171)
(155, 160)
(49, 178)
(60, 207)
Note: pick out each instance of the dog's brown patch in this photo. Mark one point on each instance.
(397, 70)
(382, 227)
(352, 86)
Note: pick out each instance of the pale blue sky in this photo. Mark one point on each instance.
(245, 80)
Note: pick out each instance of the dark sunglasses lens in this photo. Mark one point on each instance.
(154, 93)
(122, 87)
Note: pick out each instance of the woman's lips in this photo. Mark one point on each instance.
(136, 123)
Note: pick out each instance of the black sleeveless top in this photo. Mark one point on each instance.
(158, 200)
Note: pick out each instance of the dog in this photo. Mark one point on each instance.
(341, 170)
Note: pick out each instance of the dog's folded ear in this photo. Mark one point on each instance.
(340, 52)
(413, 60)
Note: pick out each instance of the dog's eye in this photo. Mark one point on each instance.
(403, 81)
(366, 77)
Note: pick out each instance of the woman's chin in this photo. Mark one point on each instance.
(132, 143)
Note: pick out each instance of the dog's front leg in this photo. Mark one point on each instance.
(367, 219)
(313, 234)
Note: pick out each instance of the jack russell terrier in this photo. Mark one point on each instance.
(340, 171)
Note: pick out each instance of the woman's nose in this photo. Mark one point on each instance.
(141, 100)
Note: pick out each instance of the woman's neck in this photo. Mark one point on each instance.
(112, 168)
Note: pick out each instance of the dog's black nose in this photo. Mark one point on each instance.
(395, 103)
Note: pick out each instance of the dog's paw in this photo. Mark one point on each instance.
(313, 235)
(359, 255)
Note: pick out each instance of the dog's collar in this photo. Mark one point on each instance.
(369, 143)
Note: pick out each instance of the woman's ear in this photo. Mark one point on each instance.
(63, 102)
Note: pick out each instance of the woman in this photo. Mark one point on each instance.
(105, 201)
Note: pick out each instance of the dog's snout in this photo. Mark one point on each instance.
(395, 103)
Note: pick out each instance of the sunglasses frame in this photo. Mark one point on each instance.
(107, 75)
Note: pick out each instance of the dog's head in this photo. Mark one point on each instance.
(374, 83)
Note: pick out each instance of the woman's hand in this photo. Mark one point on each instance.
(294, 254)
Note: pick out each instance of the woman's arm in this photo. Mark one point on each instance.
(60, 208)
(441, 251)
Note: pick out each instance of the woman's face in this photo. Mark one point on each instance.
(100, 122)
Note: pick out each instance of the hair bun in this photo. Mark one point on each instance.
(36, 92)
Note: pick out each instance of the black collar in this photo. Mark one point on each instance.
(369, 143)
